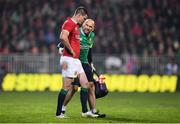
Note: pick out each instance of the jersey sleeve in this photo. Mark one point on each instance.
(68, 26)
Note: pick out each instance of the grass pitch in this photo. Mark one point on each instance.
(40, 107)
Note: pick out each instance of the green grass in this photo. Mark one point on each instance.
(119, 107)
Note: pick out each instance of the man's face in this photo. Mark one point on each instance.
(82, 18)
(88, 26)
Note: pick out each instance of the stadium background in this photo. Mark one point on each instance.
(136, 47)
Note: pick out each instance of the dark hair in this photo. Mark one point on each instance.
(81, 10)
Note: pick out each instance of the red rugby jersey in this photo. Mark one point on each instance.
(74, 37)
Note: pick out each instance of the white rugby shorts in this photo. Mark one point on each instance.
(74, 67)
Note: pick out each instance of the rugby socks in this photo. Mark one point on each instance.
(94, 110)
(83, 98)
(61, 97)
(63, 109)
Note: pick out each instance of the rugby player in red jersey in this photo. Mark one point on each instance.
(70, 63)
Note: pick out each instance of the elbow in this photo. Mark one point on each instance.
(61, 38)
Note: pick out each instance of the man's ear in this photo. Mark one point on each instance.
(93, 28)
(78, 15)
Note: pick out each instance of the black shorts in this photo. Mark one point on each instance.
(89, 74)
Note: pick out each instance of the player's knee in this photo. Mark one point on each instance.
(91, 87)
(67, 87)
(85, 85)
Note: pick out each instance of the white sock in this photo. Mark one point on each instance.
(63, 108)
(93, 110)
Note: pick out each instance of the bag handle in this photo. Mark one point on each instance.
(95, 72)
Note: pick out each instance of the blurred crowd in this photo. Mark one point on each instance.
(141, 27)
(131, 30)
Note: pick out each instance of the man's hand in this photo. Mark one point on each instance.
(61, 49)
(73, 53)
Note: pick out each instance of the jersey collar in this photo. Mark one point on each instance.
(74, 21)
